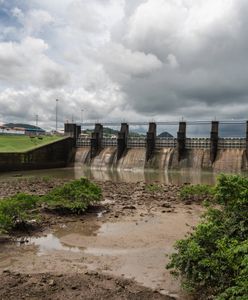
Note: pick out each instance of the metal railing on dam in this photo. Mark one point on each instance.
(162, 123)
(191, 143)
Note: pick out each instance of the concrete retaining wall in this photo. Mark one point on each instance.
(55, 155)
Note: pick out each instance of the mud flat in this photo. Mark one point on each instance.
(118, 249)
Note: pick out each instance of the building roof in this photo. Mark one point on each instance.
(26, 127)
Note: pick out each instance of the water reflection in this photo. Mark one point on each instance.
(49, 243)
(174, 177)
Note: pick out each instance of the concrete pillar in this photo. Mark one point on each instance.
(122, 140)
(214, 136)
(70, 129)
(181, 140)
(151, 140)
(78, 130)
(96, 140)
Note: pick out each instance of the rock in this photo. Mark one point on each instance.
(166, 205)
(74, 287)
(51, 282)
(188, 202)
(129, 207)
(6, 271)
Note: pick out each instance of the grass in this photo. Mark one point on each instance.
(13, 143)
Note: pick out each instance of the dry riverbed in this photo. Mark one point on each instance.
(117, 249)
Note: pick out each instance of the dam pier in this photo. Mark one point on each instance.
(213, 153)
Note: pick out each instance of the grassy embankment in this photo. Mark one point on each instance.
(13, 143)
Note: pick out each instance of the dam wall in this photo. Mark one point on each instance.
(163, 153)
(227, 160)
(54, 155)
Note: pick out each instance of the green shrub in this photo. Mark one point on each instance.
(15, 211)
(73, 197)
(201, 190)
(213, 259)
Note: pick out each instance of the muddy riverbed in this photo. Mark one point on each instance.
(118, 249)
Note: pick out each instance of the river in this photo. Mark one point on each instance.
(148, 176)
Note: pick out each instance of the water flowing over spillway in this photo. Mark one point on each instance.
(82, 156)
(227, 160)
(230, 160)
(133, 159)
(105, 159)
(194, 159)
(162, 160)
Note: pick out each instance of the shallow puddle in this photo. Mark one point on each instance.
(134, 247)
(50, 243)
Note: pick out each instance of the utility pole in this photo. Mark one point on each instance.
(82, 111)
(57, 100)
(36, 120)
(81, 119)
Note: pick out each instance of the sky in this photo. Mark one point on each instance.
(123, 60)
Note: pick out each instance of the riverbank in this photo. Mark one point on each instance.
(126, 236)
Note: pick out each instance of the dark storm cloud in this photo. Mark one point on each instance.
(116, 59)
(208, 42)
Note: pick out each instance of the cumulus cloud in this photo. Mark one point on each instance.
(26, 63)
(131, 63)
(34, 21)
(159, 59)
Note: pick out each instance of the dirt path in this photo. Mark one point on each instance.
(127, 237)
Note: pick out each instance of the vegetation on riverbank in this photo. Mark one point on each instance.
(14, 143)
(213, 259)
(18, 211)
(153, 187)
(200, 190)
(73, 197)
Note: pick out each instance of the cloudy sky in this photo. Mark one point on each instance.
(123, 60)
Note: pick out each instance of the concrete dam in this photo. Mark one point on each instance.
(151, 152)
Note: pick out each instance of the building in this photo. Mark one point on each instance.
(19, 128)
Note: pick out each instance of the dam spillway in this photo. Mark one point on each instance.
(151, 152)
(227, 160)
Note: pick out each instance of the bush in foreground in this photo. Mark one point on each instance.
(73, 197)
(16, 211)
(213, 259)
